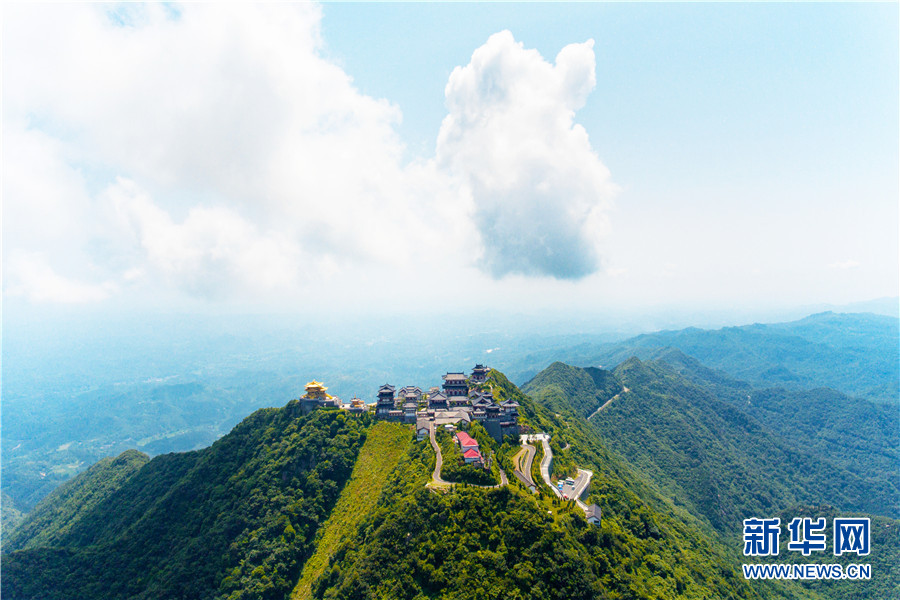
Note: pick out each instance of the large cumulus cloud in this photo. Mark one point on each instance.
(540, 192)
(212, 151)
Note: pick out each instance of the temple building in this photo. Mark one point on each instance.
(356, 407)
(455, 385)
(385, 403)
(480, 373)
(408, 391)
(437, 400)
(316, 396)
(315, 390)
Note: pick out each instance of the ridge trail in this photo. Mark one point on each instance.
(625, 390)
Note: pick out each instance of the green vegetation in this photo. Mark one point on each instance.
(722, 463)
(333, 507)
(385, 445)
(884, 558)
(852, 353)
(454, 467)
(236, 520)
(855, 434)
(561, 386)
(536, 465)
(470, 543)
(52, 520)
(12, 516)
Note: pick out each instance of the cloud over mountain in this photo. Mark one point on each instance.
(540, 192)
(213, 151)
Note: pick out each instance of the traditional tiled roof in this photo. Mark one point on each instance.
(472, 453)
(455, 377)
(386, 388)
(465, 439)
(593, 511)
(509, 403)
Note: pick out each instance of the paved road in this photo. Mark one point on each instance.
(546, 460)
(608, 402)
(581, 482)
(576, 491)
(438, 461)
(522, 463)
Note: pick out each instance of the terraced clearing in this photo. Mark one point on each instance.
(385, 445)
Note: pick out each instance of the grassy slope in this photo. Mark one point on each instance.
(385, 445)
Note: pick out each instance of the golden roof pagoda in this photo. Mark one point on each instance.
(315, 390)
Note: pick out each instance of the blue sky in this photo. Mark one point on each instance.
(706, 155)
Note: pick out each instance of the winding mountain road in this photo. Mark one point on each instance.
(523, 461)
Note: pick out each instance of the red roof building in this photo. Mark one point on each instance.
(466, 441)
(472, 456)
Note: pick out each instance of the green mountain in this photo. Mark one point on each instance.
(327, 506)
(235, 520)
(852, 433)
(12, 516)
(727, 465)
(584, 390)
(469, 543)
(51, 521)
(725, 452)
(853, 353)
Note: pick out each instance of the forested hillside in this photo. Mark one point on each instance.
(51, 521)
(723, 464)
(584, 390)
(727, 465)
(852, 353)
(236, 520)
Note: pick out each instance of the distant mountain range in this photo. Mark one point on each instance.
(856, 353)
(278, 508)
(106, 395)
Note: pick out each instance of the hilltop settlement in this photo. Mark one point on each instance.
(460, 399)
(453, 408)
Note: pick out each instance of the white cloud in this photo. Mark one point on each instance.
(540, 192)
(844, 264)
(36, 280)
(212, 150)
(214, 252)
